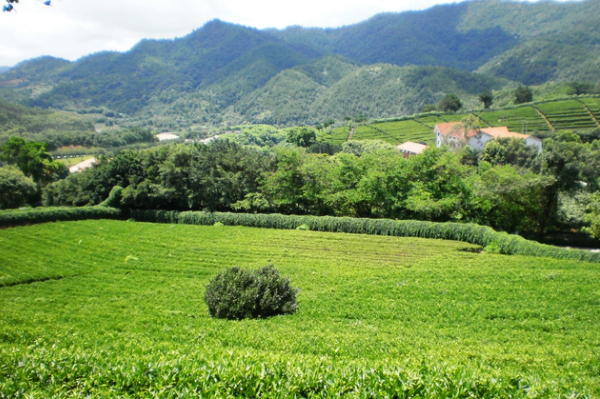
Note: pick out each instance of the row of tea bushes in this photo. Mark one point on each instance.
(20, 217)
(484, 236)
(475, 234)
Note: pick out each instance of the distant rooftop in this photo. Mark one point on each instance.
(457, 128)
(413, 148)
(167, 136)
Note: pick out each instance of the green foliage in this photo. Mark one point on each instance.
(213, 176)
(511, 151)
(114, 198)
(363, 147)
(450, 103)
(367, 179)
(237, 294)
(509, 244)
(487, 98)
(379, 316)
(301, 136)
(324, 148)
(593, 217)
(429, 108)
(33, 160)
(578, 88)
(41, 125)
(223, 74)
(258, 135)
(494, 153)
(16, 189)
(523, 94)
(11, 218)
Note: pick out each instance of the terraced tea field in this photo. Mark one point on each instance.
(115, 309)
(567, 115)
(525, 119)
(562, 115)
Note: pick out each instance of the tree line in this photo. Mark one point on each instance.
(507, 186)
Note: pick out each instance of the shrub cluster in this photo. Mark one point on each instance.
(237, 294)
(508, 244)
(19, 217)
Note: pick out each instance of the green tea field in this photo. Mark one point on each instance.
(115, 309)
(563, 115)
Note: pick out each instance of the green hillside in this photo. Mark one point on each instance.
(578, 114)
(296, 97)
(532, 43)
(389, 65)
(378, 316)
(35, 123)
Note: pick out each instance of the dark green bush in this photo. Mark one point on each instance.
(41, 215)
(237, 294)
(114, 198)
(15, 188)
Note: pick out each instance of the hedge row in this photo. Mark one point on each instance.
(12, 218)
(480, 235)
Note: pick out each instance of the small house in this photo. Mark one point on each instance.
(409, 148)
(453, 133)
(167, 136)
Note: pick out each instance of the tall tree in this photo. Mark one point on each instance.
(302, 136)
(487, 98)
(523, 94)
(33, 159)
(450, 103)
(15, 188)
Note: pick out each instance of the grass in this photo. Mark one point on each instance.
(108, 308)
(68, 162)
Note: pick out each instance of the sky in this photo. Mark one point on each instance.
(72, 29)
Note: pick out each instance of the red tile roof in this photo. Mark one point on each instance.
(456, 129)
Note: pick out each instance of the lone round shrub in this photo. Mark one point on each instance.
(237, 294)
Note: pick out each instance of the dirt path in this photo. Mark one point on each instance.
(545, 118)
(88, 163)
(589, 112)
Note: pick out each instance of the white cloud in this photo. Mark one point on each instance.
(74, 28)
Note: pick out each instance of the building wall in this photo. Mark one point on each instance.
(479, 141)
(535, 142)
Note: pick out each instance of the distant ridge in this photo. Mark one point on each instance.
(388, 65)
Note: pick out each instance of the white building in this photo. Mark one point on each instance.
(409, 148)
(454, 133)
(167, 136)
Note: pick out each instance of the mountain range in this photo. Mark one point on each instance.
(388, 65)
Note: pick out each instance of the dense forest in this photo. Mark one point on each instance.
(508, 186)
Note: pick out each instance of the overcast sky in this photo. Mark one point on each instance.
(74, 28)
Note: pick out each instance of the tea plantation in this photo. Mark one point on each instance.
(115, 309)
(575, 114)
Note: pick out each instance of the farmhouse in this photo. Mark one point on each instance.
(454, 132)
(167, 136)
(409, 148)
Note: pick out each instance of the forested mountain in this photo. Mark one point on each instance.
(527, 42)
(340, 89)
(32, 123)
(4, 69)
(388, 65)
(421, 38)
